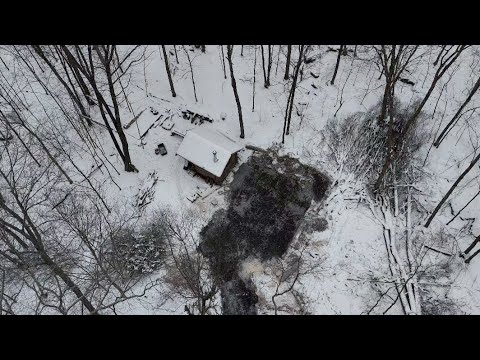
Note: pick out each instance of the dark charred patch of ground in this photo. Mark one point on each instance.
(268, 200)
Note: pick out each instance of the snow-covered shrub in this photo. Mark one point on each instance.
(437, 306)
(358, 144)
(139, 252)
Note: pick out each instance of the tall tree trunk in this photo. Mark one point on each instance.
(77, 74)
(87, 68)
(473, 255)
(234, 87)
(70, 92)
(176, 55)
(2, 286)
(286, 115)
(36, 136)
(265, 79)
(292, 91)
(270, 60)
(439, 55)
(167, 67)
(223, 63)
(66, 68)
(191, 73)
(129, 167)
(390, 139)
(30, 232)
(454, 120)
(67, 280)
(3, 62)
(19, 138)
(444, 65)
(385, 102)
(82, 84)
(287, 63)
(472, 245)
(254, 77)
(463, 208)
(278, 59)
(337, 64)
(449, 192)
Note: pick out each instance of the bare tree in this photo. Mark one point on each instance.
(223, 63)
(452, 188)
(188, 273)
(470, 248)
(464, 207)
(266, 72)
(254, 77)
(59, 251)
(191, 73)
(287, 62)
(70, 89)
(446, 61)
(278, 59)
(2, 290)
(270, 61)
(14, 106)
(288, 271)
(340, 52)
(442, 49)
(291, 96)
(457, 115)
(176, 54)
(18, 224)
(167, 68)
(94, 69)
(394, 60)
(234, 87)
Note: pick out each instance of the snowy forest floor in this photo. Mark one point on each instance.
(351, 251)
(338, 244)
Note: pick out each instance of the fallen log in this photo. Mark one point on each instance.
(133, 120)
(438, 251)
(255, 148)
(407, 81)
(178, 133)
(151, 126)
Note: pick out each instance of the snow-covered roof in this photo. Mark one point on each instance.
(199, 144)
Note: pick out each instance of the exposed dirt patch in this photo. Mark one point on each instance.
(268, 199)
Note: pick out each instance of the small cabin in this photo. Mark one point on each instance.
(209, 152)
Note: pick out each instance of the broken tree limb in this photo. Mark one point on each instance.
(210, 193)
(68, 193)
(133, 120)
(178, 133)
(449, 192)
(473, 198)
(438, 251)
(255, 148)
(151, 126)
(472, 256)
(146, 194)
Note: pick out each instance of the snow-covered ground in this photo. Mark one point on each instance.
(351, 251)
